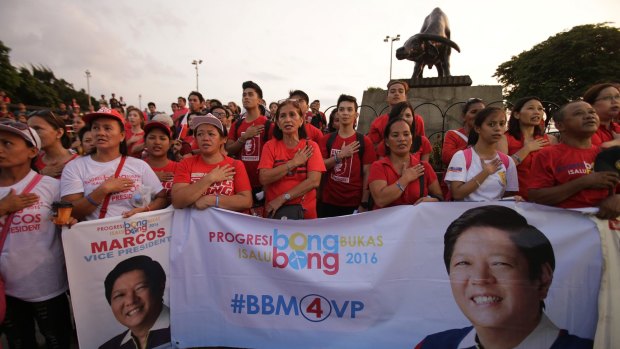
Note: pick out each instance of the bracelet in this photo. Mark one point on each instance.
(475, 180)
(91, 201)
(288, 169)
(402, 189)
(217, 200)
(516, 158)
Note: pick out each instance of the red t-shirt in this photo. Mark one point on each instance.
(525, 167)
(128, 135)
(343, 183)
(40, 165)
(251, 152)
(170, 167)
(453, 141)
(425, 148)
(191, 169)
(385, 171)
(179, 113)
(378, 126)
(604, 134)
(275, 154)
(313, 133)
(559, 164)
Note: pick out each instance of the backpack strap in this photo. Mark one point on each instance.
(237, 125)
(504, 159)
(266, 131)
(468, 155)
(360, 151)
(330, 141)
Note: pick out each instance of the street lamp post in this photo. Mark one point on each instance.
(196, 62)
(140, 101)
(88, 86)
(391, 40)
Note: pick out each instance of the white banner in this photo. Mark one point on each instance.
(93, 249)
(376, 280)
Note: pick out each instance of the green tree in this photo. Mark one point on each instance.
(9, 77)
(562, 67)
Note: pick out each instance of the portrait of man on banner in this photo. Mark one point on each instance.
(500, 269)
(134, 290)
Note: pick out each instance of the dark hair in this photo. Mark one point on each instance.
(182, 98)
(197, 94)
(397, 111)
(469, 103)
(530, 241)
(254, 86)
(514, 127)
(215, 103)
(151, 104)
(173, 103)
(559, 115)
(56, 123)
(122, 147)
(481, 116)
(345, 98)
(415, 146)
(300, 93)
(332, 117)
(153, 272)
(226, 110)
(277, 132)
(83, 131)
(592, 93)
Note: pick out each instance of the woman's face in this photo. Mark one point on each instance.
(407, 114)
(157, 142)
(490, 281)
(220, 113)
(273, 107)
(399, 139)
(289, 120)
(336, 123)
(78, 123)
(134, 118)
(470, 116)
(132, 301)
(492, 128)
(532, 113)
(88, 143)
(107, 133)
(209, 139)
(48, 134)
(607, 104)
(14, 151)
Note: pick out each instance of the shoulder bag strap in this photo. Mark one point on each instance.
(106, 201)
(9, 218)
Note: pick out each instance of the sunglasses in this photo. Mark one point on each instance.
(21, 127)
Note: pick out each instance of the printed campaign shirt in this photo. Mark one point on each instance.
(192, 169)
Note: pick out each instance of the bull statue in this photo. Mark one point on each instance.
(431, 47)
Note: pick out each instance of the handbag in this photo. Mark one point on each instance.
(293, 211)
(5, 233)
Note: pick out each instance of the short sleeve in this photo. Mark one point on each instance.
(512, 178)
(242, 181)
(182, 174)
(431, 176)
(323, 146)
(419, 125)
(268, 155)
(457, 172)
(376, 172)
(315, 163)
(425, 147)
(70, 180)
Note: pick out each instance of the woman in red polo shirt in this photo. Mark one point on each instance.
(524, 137)
(421, 146)
(401, 178)
(456, 140)
(290, 167)
(605, 99)
(210, 178)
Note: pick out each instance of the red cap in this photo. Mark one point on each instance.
(156, 124)
(104, 113)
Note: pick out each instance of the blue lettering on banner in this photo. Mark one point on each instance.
(313, 307)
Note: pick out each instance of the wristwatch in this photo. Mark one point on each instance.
(287, 197)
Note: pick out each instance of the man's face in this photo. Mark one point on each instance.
(194, 103)
(250, 98)
(490, 281)
(132, 301)
(181, 103)
(315, 106)
(580, 118)
(347, 113)
(302, 103)
(396, 94)
(62, 106)
(151, 109)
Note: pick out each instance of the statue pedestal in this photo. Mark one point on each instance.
(464, 80)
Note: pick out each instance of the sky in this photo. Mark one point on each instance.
(324, 47)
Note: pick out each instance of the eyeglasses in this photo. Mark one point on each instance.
(609, 98)
(21, 127)
(219, 114)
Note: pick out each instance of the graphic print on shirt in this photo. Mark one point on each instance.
(579, 168)
(251, 149)
(222, 188)
(342, 171)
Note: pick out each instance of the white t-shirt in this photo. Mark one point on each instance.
(32, 261)
(493, 187)
(84, 175)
